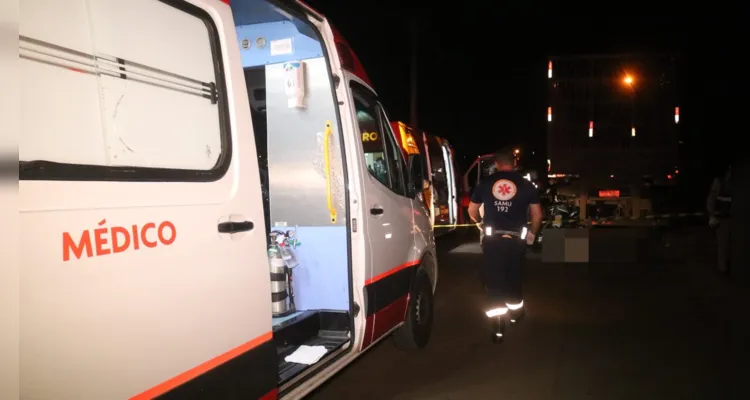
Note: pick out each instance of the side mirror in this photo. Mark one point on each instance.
(415, 184)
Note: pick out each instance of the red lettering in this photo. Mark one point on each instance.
(70, 245)
(118, 241)
(136, 243)
(117, 246)
(100, 240)
(172, 237)
(144, 239)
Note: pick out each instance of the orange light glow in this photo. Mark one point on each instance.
(407, 140)
(609, 193)
(628, 80)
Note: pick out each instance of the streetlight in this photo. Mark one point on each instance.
(628, 79)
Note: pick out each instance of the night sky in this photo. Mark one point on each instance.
(482, 76)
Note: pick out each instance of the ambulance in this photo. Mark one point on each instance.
(199, 217)
(441, 196)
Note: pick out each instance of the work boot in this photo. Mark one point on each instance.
(515, 312)
(498, 329)
(498, 320)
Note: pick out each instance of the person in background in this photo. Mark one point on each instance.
(718, 205)
(507, 199)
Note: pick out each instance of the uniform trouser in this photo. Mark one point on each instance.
(502, 269)
(722, 244)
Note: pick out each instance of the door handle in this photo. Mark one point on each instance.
(376, 211)
(234, 227)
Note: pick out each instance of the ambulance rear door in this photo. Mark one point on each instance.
(142, 242)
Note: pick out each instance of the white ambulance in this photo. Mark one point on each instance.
(440, 169)
(144, 227)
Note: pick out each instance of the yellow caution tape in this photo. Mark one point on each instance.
(594, 221)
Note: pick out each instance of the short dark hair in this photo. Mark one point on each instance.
(505, 156)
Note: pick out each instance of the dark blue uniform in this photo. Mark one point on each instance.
(506, 197)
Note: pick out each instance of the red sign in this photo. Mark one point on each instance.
(609, 193)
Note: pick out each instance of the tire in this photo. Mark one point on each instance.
(415, 333)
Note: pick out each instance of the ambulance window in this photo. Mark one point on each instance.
(104, 101)
(380, 158)
(439, 174)
(396, 163)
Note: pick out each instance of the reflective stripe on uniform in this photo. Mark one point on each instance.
(504, 232)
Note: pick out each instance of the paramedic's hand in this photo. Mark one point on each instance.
(713, 222)
(530, 238)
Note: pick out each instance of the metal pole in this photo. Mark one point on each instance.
(413, 73)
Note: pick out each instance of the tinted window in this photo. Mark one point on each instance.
(382, 155)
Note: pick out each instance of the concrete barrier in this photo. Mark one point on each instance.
(565, 245)
(610, 244)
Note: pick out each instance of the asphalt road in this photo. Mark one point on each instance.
(667, 329)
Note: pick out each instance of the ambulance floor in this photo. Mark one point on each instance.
(326, 328)
(288, 370)
(280, 320)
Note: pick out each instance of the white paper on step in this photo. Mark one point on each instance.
(307, 355)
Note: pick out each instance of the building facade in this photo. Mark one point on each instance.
(614, 119)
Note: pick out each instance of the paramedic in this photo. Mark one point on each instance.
(718, 204)
(507, 199)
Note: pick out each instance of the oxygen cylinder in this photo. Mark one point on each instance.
(279, 285)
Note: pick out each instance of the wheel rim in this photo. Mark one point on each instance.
(421, 308)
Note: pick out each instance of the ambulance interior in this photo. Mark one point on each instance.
(443, 180)
(301, 163)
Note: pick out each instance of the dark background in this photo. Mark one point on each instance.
(482, 72)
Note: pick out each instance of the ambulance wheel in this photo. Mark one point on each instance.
(498, 330)
(415, 333)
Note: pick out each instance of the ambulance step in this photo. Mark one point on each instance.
(331, 341)
(326, 328)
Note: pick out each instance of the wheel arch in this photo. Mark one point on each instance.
(427, 265)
